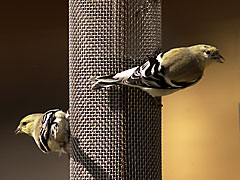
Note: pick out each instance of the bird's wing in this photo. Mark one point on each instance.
(152, 75)
(47, 122)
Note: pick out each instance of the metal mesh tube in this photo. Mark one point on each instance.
(115, 132)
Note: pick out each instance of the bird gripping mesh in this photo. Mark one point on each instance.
(115, 132)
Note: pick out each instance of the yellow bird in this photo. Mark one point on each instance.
(167, 72)
(49, 130)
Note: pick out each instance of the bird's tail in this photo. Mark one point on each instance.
(104, 81)
(112, 80)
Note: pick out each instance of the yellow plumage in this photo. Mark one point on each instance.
(51, 136)
(167, 72)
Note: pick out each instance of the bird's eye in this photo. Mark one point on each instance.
(24, 123)
(208, 52)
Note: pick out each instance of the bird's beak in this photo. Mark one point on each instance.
(220, 59)
(18, 130)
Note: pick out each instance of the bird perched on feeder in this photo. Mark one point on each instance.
(50, 130)
(167, 72)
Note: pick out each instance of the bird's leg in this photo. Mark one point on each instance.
(68, 155)
(157, 101)
(67, 152)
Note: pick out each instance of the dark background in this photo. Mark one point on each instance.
(34, 76)
(200, 124)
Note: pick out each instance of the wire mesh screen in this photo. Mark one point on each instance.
(115, 132)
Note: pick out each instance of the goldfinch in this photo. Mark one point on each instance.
(167, 72)
(49, 130)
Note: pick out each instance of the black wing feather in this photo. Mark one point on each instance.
(47, 122)
(149, 76)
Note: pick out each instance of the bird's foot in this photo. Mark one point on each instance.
(158, 101)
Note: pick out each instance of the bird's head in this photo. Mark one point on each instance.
(208, 54)
(27, 124)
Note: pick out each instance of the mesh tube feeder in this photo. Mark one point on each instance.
(115, 132)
